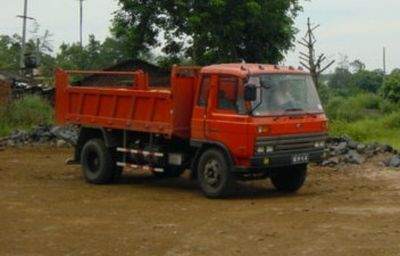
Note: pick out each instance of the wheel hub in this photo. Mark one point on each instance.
(212, 173)
(94, 163)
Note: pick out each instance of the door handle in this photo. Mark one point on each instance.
(213, 130)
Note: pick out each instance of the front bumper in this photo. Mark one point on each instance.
(280, 159)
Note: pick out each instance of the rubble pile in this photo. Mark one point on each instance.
(343, 150)
(42, 134)
(20, 89)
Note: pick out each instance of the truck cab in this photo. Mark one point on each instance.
(267, 121)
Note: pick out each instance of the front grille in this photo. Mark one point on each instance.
(292, 142)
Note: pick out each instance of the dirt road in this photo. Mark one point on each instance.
(46, 209)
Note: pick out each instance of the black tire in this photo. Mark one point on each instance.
(214, 174)
(98, 165)
(289, 179)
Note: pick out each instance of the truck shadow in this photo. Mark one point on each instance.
(244, 190)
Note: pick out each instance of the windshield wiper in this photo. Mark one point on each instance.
(294, 109)
(300, 110)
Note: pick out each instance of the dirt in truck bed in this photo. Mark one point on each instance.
(47, 209)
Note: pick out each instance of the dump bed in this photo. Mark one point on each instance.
(134, 105)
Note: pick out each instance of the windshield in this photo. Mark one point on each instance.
(284, 93)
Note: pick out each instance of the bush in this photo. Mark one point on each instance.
(388, 107)
(361, 106)
(333, 105)
(359, 131)
(366, 101)
(391, 87)
(391, 121)
(324, 93)
(385, 129)
(25, 113)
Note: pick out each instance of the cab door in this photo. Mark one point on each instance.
(200, 108)
(226, 120)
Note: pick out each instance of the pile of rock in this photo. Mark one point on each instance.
(42, 134)
(394, 161)
(19, 89)
(344, 150)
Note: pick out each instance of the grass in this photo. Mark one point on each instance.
(358, 107)
(365, 117)
(384, 129)
(24, 114)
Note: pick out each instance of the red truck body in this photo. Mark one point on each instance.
(187, 126)
(136, 107)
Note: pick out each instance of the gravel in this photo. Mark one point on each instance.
(343, 150)
(42, 134)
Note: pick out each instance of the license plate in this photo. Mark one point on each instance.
(300, 159)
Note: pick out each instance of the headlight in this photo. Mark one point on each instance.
(260, 150)
(319, 144)
(269, 149)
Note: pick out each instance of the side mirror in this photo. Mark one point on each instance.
(250, 92)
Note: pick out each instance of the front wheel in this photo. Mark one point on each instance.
(289, 179)
(214, 174)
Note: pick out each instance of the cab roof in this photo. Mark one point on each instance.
(245, 69)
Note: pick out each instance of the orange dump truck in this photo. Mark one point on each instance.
(223, 122)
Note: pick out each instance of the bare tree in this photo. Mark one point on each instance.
(309, 59)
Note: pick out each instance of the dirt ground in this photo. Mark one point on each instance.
(47, 209)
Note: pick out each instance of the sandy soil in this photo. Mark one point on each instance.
(47, 209)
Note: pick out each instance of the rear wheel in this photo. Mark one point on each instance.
(98, 164)
(214, 174)
(289, 179)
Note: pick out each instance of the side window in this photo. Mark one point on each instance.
(227, 93)
(204, 90)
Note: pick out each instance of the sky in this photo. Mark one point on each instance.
(359, 29)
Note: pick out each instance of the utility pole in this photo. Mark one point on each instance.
(81, 22)
(384, 60)
(24, 18)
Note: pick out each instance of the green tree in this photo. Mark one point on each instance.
(208, 31)
(95, 55)
(9, 51)
(70, 56)
(37, 45)
(391, 87)
(340, 79)
(366, 80)
(48, 64)
(357, 66)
